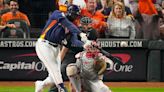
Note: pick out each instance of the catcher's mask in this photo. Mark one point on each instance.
(85, 20)
(73, 11)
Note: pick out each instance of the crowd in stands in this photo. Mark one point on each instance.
(15, 17)
(115, 19)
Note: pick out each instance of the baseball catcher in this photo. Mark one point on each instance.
(90, 65)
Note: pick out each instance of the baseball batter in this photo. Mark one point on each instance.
(73, 50)
(48, 45)
(83, 71)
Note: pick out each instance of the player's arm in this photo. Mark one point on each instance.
(63, 52)
(101, 64)
(78, 59)
(70, 26)
(108, 61)
(62, 19)
(74, 31)
(65, 48)
(2, 27)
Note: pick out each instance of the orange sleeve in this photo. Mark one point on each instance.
(101, 22)
(24, 17)
(147, 7)
(4, 19)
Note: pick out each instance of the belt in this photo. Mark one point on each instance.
(48, 42)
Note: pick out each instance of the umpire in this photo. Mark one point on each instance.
(73, 50)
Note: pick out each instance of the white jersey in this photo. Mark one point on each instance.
(84, 67)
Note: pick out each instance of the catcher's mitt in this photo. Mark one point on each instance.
(100, 66)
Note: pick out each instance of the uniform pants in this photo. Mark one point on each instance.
(49, 55)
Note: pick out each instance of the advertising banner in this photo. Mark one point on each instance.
(20, 64)
(132, 53)
(18, 60)
(162, 69)
(132, 68)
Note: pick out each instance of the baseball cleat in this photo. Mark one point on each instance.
(62, 89)
(38, 86)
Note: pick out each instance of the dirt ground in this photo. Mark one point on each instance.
(110, 84)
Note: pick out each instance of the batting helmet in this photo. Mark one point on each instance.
(73, 11)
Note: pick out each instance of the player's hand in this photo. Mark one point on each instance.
(11, 25)
(83, 37)
(96, 45)
(87, 44)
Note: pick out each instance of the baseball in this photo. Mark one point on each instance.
(124, 44)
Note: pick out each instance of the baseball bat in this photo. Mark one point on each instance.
(107, 54)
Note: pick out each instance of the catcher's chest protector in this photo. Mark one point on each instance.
(87, 66)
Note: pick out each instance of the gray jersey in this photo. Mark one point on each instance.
(86, 67)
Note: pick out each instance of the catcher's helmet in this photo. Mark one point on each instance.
(73, 11)
(85, 20)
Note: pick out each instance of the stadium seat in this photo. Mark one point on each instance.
(13, 33)
(22, 26)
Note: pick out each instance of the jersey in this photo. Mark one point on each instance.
(9, 16)
(85, 63)
(55, 29)
(98, 17)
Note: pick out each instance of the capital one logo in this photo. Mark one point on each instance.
(35, 66)
(124, 67)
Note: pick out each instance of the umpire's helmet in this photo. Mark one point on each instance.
(73, 11)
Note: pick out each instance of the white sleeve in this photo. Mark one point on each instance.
(78, 55)
(109, 61)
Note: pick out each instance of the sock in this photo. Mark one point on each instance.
(61, 85)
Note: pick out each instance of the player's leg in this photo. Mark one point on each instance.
(69, 58)
(99, 86)
(53, 88)
(74, 78)
(49, 56)
(85, 86)
(40, 85)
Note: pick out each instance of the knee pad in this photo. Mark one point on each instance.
(71, 70)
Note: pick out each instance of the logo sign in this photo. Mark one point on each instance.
(121, 43)
(125, 58)
(17, 43)
(37, 66)
(22, 64)
(131, 68)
